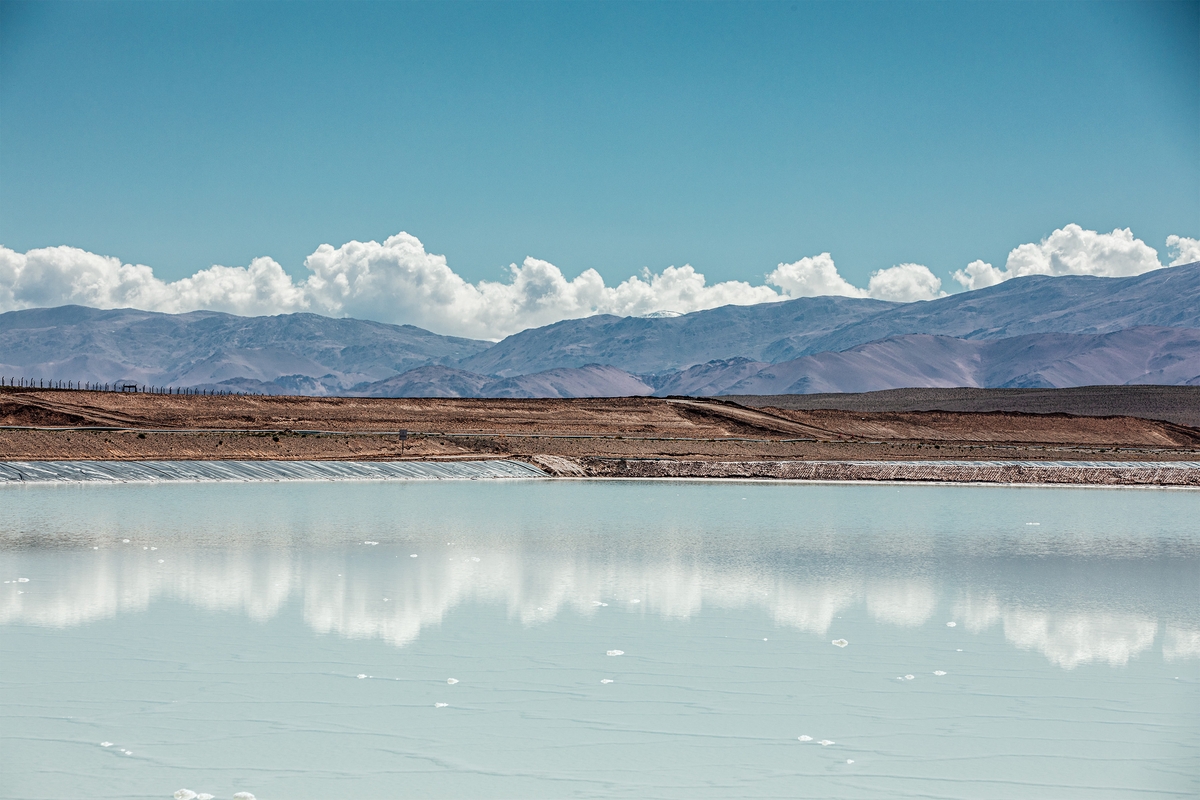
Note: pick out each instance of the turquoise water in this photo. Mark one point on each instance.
(282, 639)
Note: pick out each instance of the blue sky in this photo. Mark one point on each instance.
(609, 136)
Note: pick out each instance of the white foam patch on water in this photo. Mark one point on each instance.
(475, 559)
(909, 677)
(951, 624)
(205, 796)
(161, 561)
(184, 794)
(1033, 523)
(606, 680)
(826, 742)
(22, 580)
(244, 796)
(371, 543)
(360, 676)
(414, 555)
(615, 653)
(106, 744)
(939, 672)
(804, 738)
(126, 541)
(635, 601)
(598, 603)
(840, 643)
(440, 705)
(155, 548)
(451, 681)
(849, 760)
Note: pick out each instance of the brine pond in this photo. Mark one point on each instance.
(591, 639)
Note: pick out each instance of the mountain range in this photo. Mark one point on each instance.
(1036, 331)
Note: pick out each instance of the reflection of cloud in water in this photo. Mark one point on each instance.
(1066, 638)
(905, 603)
(344, 593)
(1180, 643)
(812, 607)
(255, 585)
(1069, 640)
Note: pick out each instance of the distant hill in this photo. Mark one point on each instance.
(776, 332)
(1140, 355)
(1034, 331)
(656, 344)
(308, 353)
(1143, 355)
(431, 381)
(592, 380)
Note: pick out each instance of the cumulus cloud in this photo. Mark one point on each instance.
(817, 275)
(905, 283)
(1072, 250)
(814, 276)
(979, 275)
(396, 281)
(399, 282)
(1185, 250)
(53, 276)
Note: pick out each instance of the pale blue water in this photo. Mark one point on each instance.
(223, 644)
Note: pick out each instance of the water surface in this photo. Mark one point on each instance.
(296, 640)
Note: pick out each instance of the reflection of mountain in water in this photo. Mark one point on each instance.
(381, 592)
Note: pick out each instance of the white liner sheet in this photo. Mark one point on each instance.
(23, 472)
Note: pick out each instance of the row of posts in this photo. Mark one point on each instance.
(41, 383)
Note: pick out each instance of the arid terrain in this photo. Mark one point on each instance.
(70, 424)
(1179, 404)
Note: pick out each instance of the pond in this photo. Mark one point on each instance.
(593, 639)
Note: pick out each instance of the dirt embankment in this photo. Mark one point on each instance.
(146, 426)
(1178, 404)
(1086, 473)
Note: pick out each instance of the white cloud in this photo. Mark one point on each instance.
(1073, 251)
(905, 283)
(814, 276)
(979, 275)
(1070, 250)
(1187, 251)
(398, 281)
(682, 289)
(817, 275)
(53, 276)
